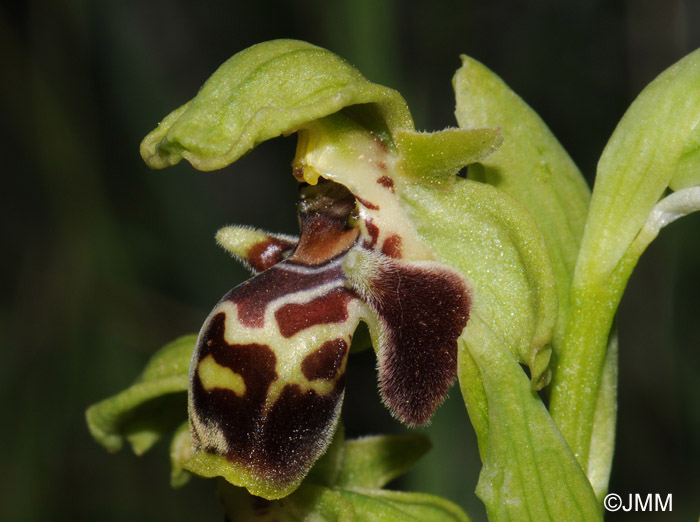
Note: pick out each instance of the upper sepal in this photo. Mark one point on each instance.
(262, 92)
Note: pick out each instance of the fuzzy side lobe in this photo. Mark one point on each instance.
(257, 250)
(422, 309)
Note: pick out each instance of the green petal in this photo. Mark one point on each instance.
(262, 92)
(439, 155)
(138, 412)
(495, 243)
(372, 462)
(530, 166)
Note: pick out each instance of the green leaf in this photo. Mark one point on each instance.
(529, 472)
(372, 462)
(143, 412)
(311, 502)
(385, 505)
(180, 451)
(495, 243)
(262, 92)
(653, 148)
(531, 166)
(308, 502)
(344, 486)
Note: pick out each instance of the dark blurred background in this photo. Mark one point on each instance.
(105, 260)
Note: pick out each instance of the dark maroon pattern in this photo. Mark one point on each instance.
(298, 429)
(373, 231)
(386, 181)
(254, 295)
(237, 417)
(328, 308)
(265, 254)
(367, 204)
(281, 443)
(325, 362)
(392, 246)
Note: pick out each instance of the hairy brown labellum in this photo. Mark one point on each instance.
(267, 375)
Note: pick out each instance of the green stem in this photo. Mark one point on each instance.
(578, 375)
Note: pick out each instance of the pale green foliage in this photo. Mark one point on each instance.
(132, 413)
(654, 142)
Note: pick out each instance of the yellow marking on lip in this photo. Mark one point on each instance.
(213, 375)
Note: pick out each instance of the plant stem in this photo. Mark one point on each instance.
(578, 374)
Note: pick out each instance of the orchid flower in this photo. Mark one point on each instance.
(469, 277)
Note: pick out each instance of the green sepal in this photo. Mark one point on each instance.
(262, 92)
(372, 462)
(150, 407)
(529, 472)
(437, 156)
(530, 166)
(494, 242)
